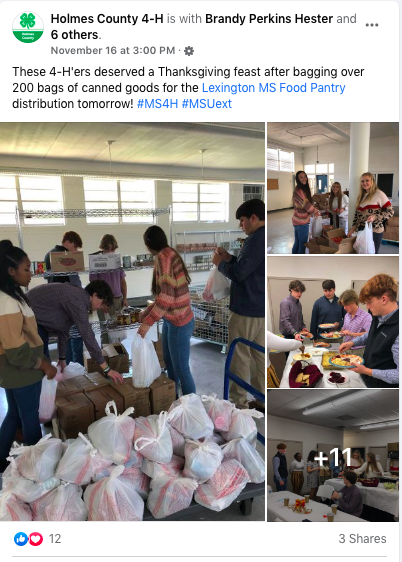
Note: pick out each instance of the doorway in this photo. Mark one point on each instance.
(322, 183)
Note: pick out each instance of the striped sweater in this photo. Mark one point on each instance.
(378, 206)
(21, 348)
(303, 209)
(173, 297)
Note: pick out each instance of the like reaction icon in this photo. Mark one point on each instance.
(35, 539)
(21, 539)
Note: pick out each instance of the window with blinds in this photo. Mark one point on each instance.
(272, 159)
(8, 200)
(137, 194)
(203, 202)
(101, 194)
(280, 160)
(252, 192)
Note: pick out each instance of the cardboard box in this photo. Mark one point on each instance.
(314, 248)
(163, 393)
(69, 387)
(115, 355)
(101, 396)
(159, 352)
(104, 261)
(393, 221)
(75, 411)
(343, 247)
(67, 261)
(391, 233)
(132, 396)
(142, 411)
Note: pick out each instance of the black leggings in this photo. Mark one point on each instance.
(377, 237)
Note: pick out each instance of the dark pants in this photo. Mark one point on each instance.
(75, 348)
(377, 237)
(176, 354)
(280, 488)
(23, 411)
(44, 334)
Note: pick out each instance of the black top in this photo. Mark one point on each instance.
(378, 350)
(283, 466)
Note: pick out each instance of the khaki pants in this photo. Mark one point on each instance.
(252, 329)
(112, 310)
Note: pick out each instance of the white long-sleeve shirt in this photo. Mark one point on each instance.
(281, 344)
(296, 466)
(345, 205)
(369, 473)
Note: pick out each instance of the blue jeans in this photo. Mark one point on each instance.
(176, 354)
(280, 488)
(301, 237)
(23, 411)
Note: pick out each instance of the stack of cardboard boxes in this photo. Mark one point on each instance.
(392, 230)
(333, 241)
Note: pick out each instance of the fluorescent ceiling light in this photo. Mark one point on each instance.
(379, 425)
(339, 401)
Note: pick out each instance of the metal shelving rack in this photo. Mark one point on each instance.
(211, 318)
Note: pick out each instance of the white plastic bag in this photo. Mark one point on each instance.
(157, 470)
(72, 370)
(202, 459)
(188, 416)
(243, 425)
(146, 367)
(169, 495)
(37, 462)
(220, 411)
(112, 499)
(316, 227)
(25, 490)
(132, 476)
(135, 461)
(364, 240)
(80, 462)
(224, 487)
(13, 509)
(152, 438)
(61, 504)
(113, 434)
(217, 286)
(178, 441)
(248, 457)
(47, 402)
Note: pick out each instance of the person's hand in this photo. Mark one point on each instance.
(347, 333)
(335, 495)
(50, 371)
(117, 378)
(298, 337)
(216, 258)
(345, 346)
(224, 253)
(361, 369)
(304, 330)
(351, 231)
(370, 219)
(336, 324)
(282, 483)
(124, 303)
(62, 364)
(340, 211)
(143, 329)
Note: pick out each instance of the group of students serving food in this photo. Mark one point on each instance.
(370, 343)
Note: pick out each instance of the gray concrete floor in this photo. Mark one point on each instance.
(280, 234)
(207, 365)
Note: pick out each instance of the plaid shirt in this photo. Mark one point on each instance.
(57, 307)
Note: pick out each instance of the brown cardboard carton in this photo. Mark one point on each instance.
(75, 411)
(391, 233)
(115, 355)
(69, 387)
(101, 396)
(343, 247)
(142, 411)
(393, 221)
(67, 261)
(315, 248)
(135, 397)
(163, 393)
(159, 352)
(92, 381)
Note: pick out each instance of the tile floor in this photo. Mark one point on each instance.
(280, 235)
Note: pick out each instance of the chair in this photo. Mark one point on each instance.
(272, 379)
(325, 491)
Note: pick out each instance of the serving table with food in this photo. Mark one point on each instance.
(276, 509)
(332, 365)
(384, 496)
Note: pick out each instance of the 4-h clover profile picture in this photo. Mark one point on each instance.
(28, 27)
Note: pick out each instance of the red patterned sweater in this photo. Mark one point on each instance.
(377, 206)
(173, 297)
(303, 209)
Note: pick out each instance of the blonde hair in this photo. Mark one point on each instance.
(360, 460)
(372, 464)
(362, 192)
(339, 196)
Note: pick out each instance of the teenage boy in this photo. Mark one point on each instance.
(381, 354)
(291, 321)
(326, 310)
(350, 497)
(247, 299)
(58, 306)
(280, 466)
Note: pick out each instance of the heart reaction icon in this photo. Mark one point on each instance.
(35, 539)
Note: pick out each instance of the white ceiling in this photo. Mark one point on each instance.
(227, 145)
(316, 134)
(365, 406)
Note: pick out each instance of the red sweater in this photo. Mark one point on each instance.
(173, 297)
(302, 208)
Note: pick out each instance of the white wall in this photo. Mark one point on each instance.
(383, 158)
(282, 198)
(342, 269)
(40, 239)
(371, 438)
